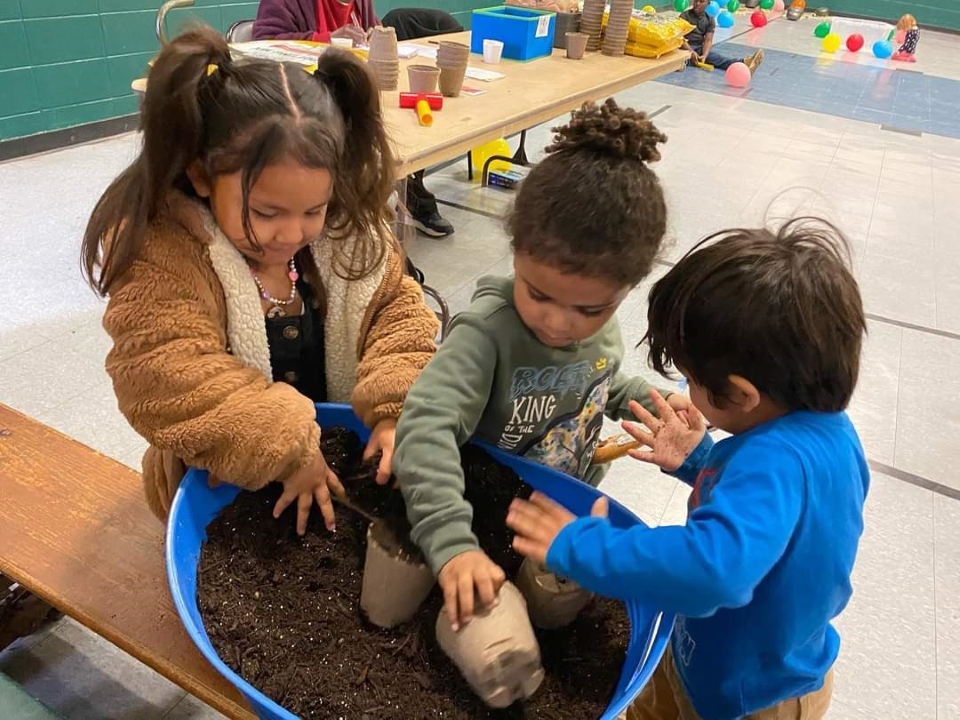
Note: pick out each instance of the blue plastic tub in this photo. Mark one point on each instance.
(196, 504)
(526, 34)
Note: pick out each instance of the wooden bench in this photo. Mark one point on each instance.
(75, 530)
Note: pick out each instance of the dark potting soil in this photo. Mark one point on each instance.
(284, 611)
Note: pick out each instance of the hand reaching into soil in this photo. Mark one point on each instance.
(539, 520)
(314, 481)
(672, 438)
(463, 579)
(382, 440)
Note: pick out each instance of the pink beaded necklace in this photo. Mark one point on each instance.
(278, 303)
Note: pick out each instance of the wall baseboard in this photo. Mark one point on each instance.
(57, 139)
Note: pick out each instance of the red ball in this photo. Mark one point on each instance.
(758, 19)
(855, 42)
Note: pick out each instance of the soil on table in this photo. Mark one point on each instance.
(284, 611)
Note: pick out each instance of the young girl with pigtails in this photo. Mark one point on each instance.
(251, 272)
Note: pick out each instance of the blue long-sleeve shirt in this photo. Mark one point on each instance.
(759, 570)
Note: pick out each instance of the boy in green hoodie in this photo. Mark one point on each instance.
(533, 365)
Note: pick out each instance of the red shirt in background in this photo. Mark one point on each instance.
(333, 15)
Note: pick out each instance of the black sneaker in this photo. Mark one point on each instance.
(434, 225)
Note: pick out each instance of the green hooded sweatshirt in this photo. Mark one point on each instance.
(493, 380)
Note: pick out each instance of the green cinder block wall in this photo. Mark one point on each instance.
(929, 13)
(65, 63)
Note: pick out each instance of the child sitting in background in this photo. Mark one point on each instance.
(908, 35)
(767, 329)
(534, 364)
(699, 41)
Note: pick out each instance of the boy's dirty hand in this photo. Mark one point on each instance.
(672, 438)
(539, 520)
(314, 481)
(382, 440)
(466, 577)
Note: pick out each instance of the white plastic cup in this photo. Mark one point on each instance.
(492, 50)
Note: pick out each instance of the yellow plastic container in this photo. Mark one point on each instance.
(488, 150)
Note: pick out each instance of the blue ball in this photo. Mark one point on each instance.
(726, 20)
(713, 9)
(883, 49)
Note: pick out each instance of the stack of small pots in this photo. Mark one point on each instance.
(452, 58)
(383, 58)
(618, 28)
(591, 22)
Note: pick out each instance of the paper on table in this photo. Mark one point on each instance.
(408, 50)
(302, 54)
(424, 51)
(299, 52)
(484, 75)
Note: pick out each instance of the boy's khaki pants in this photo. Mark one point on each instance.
(664, 698)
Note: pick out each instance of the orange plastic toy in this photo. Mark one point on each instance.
(424, 104)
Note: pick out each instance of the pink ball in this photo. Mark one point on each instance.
(738, 75)
(758, 19)
(779, 6)
(855, 42)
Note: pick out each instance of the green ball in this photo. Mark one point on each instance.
(823, 29)
(681, 5)
(766, 4)
(733, 6)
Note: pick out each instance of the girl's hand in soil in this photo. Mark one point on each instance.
(539, 520)
(314, 481)
(464, 578)
(382, 440)
(672, 437)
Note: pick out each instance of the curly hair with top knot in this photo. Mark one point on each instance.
(593, 207)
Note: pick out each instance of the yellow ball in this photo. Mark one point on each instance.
(832, 43)
(649, 9)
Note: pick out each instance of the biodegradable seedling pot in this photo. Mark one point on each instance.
(552, 601)
(394, 584)
(453, 50)
(423, 78)
(496, 652)
(451, 79)
(383, 43)
(576, 45)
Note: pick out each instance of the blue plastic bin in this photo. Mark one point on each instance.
(526, 34)
(196, 505)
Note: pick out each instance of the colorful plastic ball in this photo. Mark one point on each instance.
(681, 5)
(726, 20)
(855, 42)
(766, 4)
(649, 9)
(713, 9)
(882, 49)
(738, 75)
(822, 30)
(779, 6)
(758, 19)
(733, 6)
(832, 43)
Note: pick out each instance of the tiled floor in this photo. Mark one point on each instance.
(729, 161)
(894, 94)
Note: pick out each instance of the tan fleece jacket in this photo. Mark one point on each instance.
(190, 362)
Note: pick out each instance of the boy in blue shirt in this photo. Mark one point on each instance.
(767, 328)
